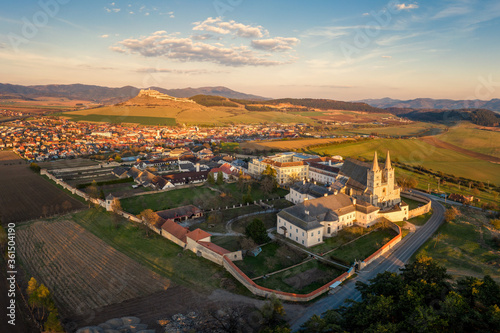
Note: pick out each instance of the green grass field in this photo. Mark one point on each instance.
(464, 246)
(154, 252)
(267, 261)
(421, 219)
(425, 182)
(165, 200)
(470, 137)
(416, 152)
(363, 247)
(398, 130)
(152, 121)
(200, 196)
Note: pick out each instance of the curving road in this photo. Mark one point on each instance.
(391, 261)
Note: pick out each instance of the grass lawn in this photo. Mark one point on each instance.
(426, 181)
(200, 196)
(421, 220)
(363, 247)
(268, 219)
(301, 279)
(343, 236)
(154, 252)
(465, 246)
(231, 243)
(412, 203)
(267, 261)
(404, 232)
(166, 200)
(417, 152)
(469, 136)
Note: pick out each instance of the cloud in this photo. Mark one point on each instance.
(177, 71)
(386, 57)
(204, 37)
(104, 36)
(402, 6)
(276, 44)
(452, 11)
(112, 10)
(218, 26)
(160, 44)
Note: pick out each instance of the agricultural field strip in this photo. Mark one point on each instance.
(77, 261)
(82, 249)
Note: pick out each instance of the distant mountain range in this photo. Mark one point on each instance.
(107, 95)
(429, 103)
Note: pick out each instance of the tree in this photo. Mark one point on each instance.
(273, 315)
(53, 324)
(419, 300)
(268, 185)
(268, 171)
(116, 207)
(256, 230)
(220, 178)
(475, 192)
(93, 190)
(66, 206)
(210, 178)
(450, 214)
(35, 167)
(149, 218)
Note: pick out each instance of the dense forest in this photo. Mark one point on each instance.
(420, 299)
(209, 100)
(327, 104)
(480, 117)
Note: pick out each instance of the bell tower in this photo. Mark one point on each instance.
(374, 180)
(389, 173)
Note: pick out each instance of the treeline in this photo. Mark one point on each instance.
(423, 298)
(260, 108)
(208, 100)
(108, 182)
(327, 104)
(481, 117)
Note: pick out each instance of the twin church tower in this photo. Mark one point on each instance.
(381, 189)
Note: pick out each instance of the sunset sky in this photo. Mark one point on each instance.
(345, 50)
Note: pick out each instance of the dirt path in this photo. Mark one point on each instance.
(441, 144)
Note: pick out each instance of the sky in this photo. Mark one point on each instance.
(343, 50)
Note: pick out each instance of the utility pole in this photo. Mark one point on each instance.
(428, 188)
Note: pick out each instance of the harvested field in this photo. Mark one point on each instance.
(8, 156)
(71, 163)
(289, 144)
(82, 271)
(445, 145)
(24, 195)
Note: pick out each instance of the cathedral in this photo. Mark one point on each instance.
(372, 183)
(362, 194)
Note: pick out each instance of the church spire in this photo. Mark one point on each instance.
(388, 165)
(375, 162)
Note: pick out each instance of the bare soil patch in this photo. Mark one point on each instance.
(305, 278)
(25, 195)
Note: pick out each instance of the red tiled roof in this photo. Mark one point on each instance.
(198, 234)
(175, 230)
(215, 248)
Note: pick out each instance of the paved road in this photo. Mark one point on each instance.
(391, 261)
